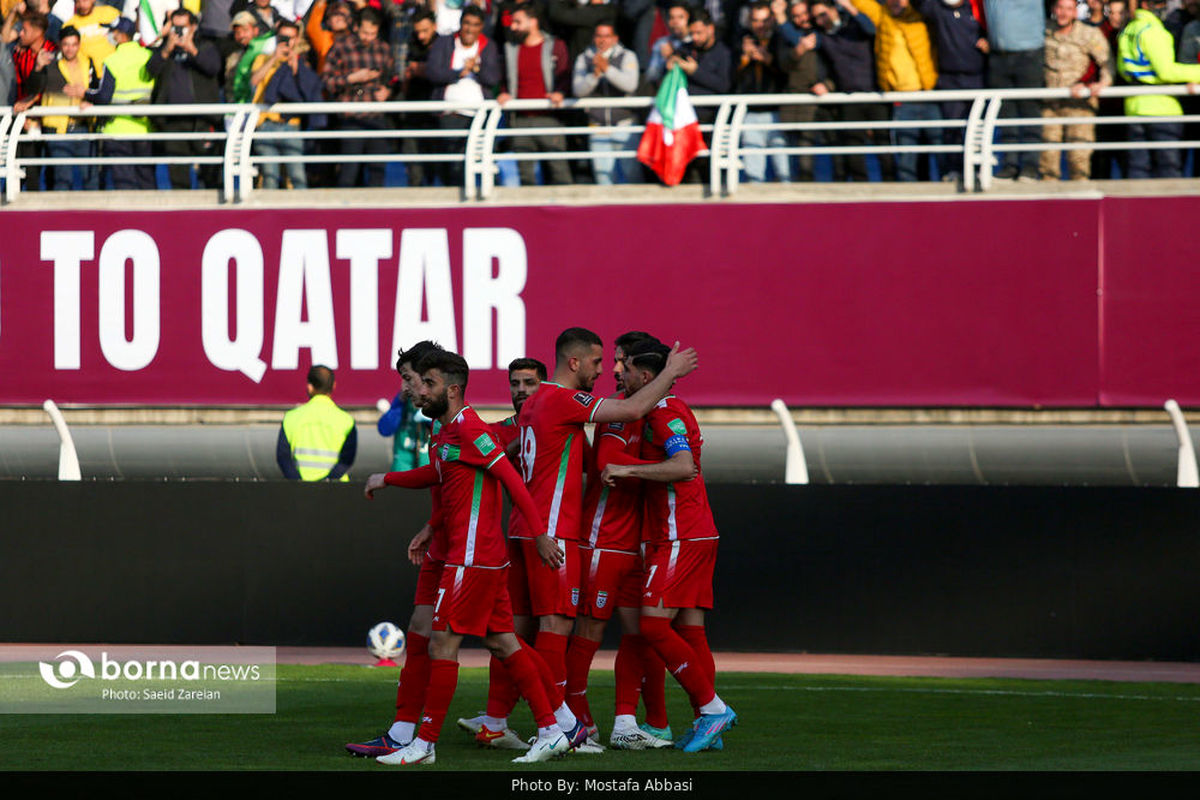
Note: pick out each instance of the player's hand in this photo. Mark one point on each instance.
(612, 472)
(549, 551)
(681, 362)
(374, 482)
(419, 546)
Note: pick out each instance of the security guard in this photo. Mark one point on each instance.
(317, 441)
(125, 81)
(1146, 54)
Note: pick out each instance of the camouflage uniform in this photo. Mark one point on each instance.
(1069, 58)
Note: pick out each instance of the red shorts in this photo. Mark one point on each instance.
(680, 574)
(473, 601)
(551, 591)
(428, 580)
(613, 579)
(518, 582)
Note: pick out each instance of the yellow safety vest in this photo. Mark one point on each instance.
(316, 432)
(1146, 54)
(127, 65)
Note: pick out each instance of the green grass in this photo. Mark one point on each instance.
(788, 722)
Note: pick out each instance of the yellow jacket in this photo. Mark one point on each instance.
(904, 56)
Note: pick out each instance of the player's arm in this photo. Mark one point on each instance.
(419, 545)
(419, 478)
(627, 409)
(548, 549)
(679, 467)
(610, 449)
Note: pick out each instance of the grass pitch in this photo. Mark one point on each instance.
(787, 722)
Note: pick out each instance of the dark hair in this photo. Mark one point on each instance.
(67, 32)
(528, 363)
(470, 11)
(650, 356)
(760, 5)
(452, 366)
(701, 15)
(415, 353)
(320, 377)
(372, 15)
(284, 22)
(181, 12)
(628, 341)
(534, 11)
(426, 14)
(572, 337)
(36, 20)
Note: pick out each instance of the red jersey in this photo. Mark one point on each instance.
(506, 431)
(612, 515)
(437, 545)
(675, 510)
(471, 498)
(552, 446)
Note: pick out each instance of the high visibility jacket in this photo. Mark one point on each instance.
(132, 84)
(1146, 54)
(316, 432)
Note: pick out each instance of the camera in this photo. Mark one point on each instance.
(180, 30)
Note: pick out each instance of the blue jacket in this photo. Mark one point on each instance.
(955, 32)
(849, 53)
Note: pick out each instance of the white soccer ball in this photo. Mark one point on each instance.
(385, 641)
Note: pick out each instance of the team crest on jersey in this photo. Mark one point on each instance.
(677, 426)
(484, 443)
(575, 596)
(601, 599)
(584, 399)
(450, 452)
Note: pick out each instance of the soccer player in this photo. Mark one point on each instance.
(552, 444)
(472, 598)
(682, 550)
(611, 560)
(427, 551)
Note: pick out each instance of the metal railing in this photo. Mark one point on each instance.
(484, 148)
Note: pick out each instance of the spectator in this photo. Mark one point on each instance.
(265, 14)
(250, 41)
(124, 81)
(1016, 39)
(1175, 21)
(67, 81)
(759, 71)
(54, 22)
(1073, 51)
(216, 24)
(961, 46)
(708, 64)
(1146, 54)
(185, 70)
(284, 77)
(462, 68)
(536, 68)
(33, 53)
(845, 38)
(606, 69)
(1116, 14)
(415, 85)
(92, 21)
(904, 62)
(400, 18)
(574, 21)
(798, 58)
(1187, 44)
(678, 16)
(357, 69)
(326, 24)
(408, 428)
(153, 17)
(635, 25)
(317, 441)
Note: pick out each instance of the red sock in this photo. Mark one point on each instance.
(524, 670)
(554, 693)
(553, 649)
(654, 684)
(502, 692)
(697, 639)
(579, 664)
(681, 660)
(414, 680)
(627, 670)
(443, 680)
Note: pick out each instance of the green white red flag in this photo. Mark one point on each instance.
(672, 138)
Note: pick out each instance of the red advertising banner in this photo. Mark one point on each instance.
(974, 302)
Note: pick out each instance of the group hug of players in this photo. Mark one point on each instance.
(639, 541)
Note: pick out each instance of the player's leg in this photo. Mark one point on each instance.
(629, 671)
(580, 653)
(443, 680)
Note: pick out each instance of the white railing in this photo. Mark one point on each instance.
(483, 150)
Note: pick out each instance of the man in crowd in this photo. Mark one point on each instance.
(606, 69)
(677, 37)
(67, 82)
(799, 60)
(185, 69)
(708, 65)
(286, 78)
(1074, 51)
(317, 441)
(92, 21)
(33, 53)
(536, 67)
(124, 81)
(759, 71)
(1106, 162)
(415, 85)
(1016, 32)
(575, 22)
(404, 422)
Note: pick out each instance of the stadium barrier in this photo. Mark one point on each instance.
(484, 148)
(1094, 573)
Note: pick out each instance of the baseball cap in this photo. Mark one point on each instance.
(243, 18)
(124, 25)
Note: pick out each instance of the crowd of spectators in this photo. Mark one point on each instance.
(158, 52)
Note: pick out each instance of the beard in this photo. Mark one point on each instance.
(519, 36)
(435, 407)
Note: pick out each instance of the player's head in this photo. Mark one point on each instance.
(579, 354)
(524, 377)
(320, 380)
(621, 349)
(644, 362)
(443, 381)
(406, 361)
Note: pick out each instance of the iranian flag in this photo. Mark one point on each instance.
(672, 138)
